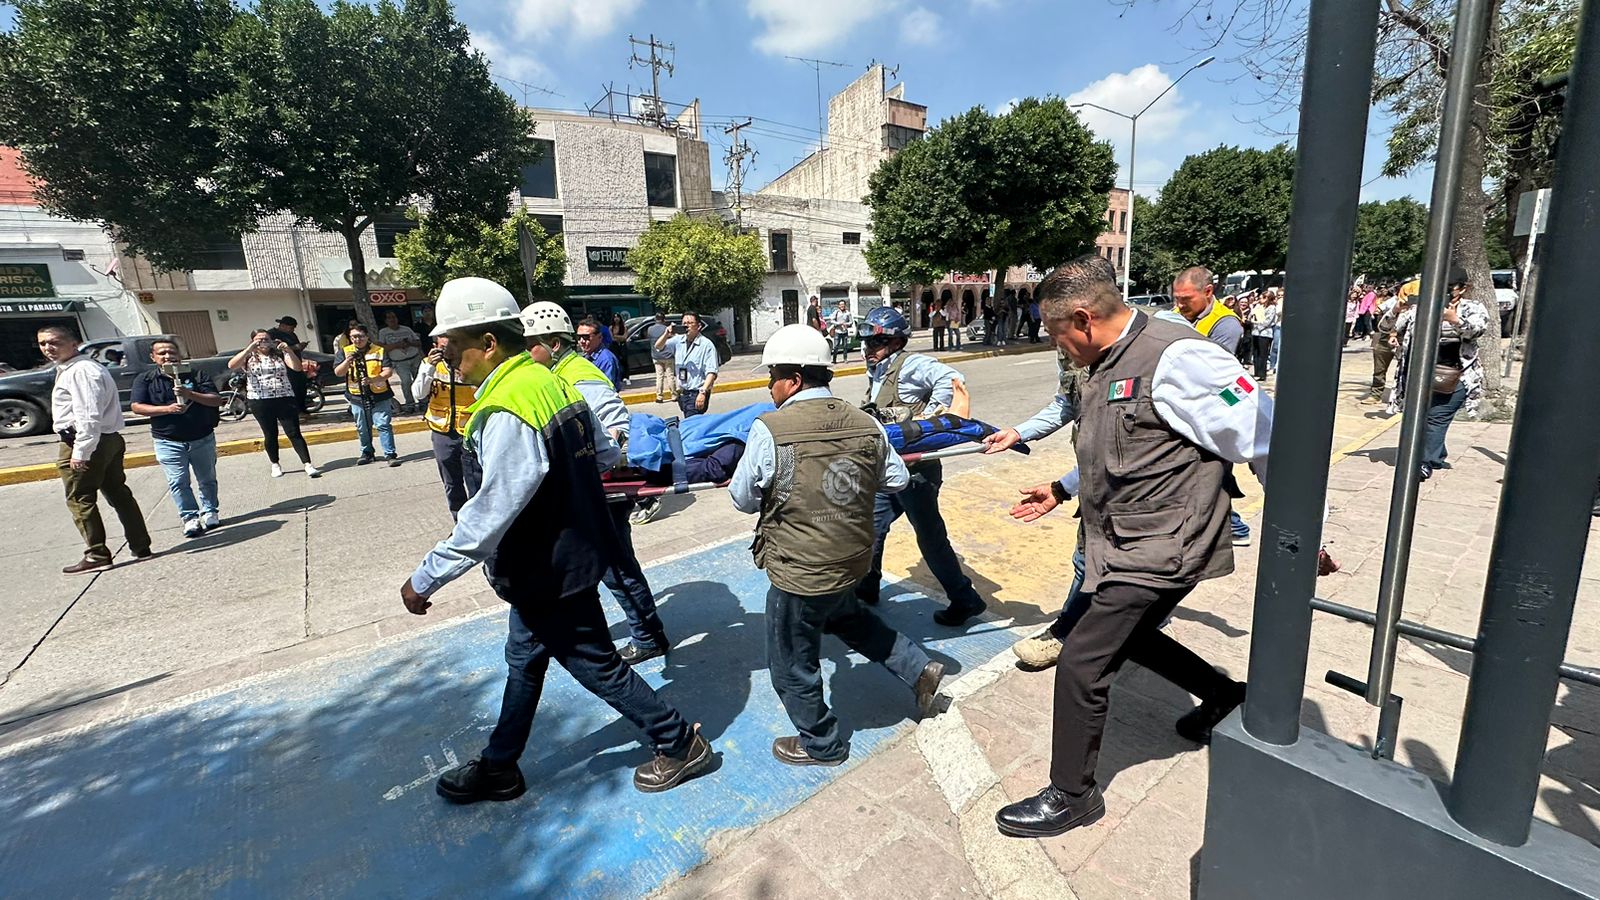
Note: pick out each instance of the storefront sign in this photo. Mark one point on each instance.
(40, 306)
(386, 298)
(26, 280)
(607, 259)
(965, 278)
(1031, 275)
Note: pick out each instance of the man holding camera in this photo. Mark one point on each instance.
(182, 406)
(366, 373)
(695, 358)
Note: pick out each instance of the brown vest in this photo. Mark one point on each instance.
(1154, 505)
(887, 400)
(815, 534)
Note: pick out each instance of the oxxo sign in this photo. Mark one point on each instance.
(386, 298)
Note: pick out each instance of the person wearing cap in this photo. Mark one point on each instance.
(552, 344)
(811, 469)
(695, 358)
(900, 386)
(285, 331)
(540, 527)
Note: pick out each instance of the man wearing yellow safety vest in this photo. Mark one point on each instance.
(1193, 295)
(366, 383)
(551, 342)
(542, 503)
(448, 400)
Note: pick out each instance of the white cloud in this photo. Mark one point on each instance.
(795, 27)
(1007, 106)
(1129, 92)
(507, 61)
(920, 27)
(580, 19)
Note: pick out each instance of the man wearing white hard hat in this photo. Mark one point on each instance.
(812, 468)
(542, 450)
(549, 331)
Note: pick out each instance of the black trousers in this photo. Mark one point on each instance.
(273, 412)
(458, 469)
(1123, 622)
(1263, 351)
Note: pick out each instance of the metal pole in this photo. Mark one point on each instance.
(1472, 24)
(1327, 184)
(1527, 270)
(1127, 250)
(1549, 482)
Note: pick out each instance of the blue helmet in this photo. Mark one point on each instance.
(885, 320)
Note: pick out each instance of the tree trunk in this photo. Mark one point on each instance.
(1472, 206)
(358, 273)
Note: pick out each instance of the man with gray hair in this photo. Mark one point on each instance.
(1162, 413)
(1193, 295)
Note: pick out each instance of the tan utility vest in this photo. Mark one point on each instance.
(1154, 505)
(890, 407)
(815, 534)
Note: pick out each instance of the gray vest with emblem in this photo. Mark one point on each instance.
(887, 399)
(815, 534)
(1154, 505)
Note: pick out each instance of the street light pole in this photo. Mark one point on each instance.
(1133, 143)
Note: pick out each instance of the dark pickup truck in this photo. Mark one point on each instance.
(25, 395)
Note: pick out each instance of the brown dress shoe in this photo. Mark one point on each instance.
(667, 772)
(927, 687)
(86, 566)
(790, 751)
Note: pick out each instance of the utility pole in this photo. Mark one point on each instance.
(735, 160)
(817, 64)
(656, 64)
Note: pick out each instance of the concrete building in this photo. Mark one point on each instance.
(1113, 242)
(867, 122)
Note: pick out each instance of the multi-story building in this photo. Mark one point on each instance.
(1113, 242)
(867, 122)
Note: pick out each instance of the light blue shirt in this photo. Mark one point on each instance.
(515, 462)
(693, 362)
(606, 405)
(922, 379)
(760, 462)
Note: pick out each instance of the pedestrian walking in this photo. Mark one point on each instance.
(87, 416)
(1364, 312)
(1263, 324)
(1458, 374)
(900, 386)
(814, 315)
(839, 323)
(695, 359)
(1192, 297)
(182, 407)
(1035, 320)
(555, 344)
(814, 539)
(365, 369)
(661, 358)
(1384, 344)
(600, 357)
(403, 351)
(940, 326)
(1153, 519)
(449, 399)
(542, 503)
(266, 365)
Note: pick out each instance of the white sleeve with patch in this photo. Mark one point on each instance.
(1203, 393)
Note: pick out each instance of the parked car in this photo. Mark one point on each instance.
(633, 349)
(1151, 301)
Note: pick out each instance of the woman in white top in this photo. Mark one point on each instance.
(266, 364)
(1264, 326)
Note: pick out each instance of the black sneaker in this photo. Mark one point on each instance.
(394, 461)
(954, 616)
(481, 780)
(365, 458)
(633, 654)
(1196, 724)
(667, 772)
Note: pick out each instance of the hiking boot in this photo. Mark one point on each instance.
(1039, 651)
(481, 780)
(667, 772)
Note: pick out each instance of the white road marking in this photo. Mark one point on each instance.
(1031, 362)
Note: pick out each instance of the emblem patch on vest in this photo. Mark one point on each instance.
(842, 483)
(1237, 391)
(1126, 389)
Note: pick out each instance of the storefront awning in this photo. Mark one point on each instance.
(40, 306)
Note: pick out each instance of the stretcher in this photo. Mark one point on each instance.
(938, 437)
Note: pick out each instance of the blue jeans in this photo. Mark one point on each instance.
(920, 503)
(381, 411)
(176, 459)
(795, 626)
(1442, 409)
(1236, 523)
(573, 631)
(1077, 601)
(1277, 344)
(625, 578)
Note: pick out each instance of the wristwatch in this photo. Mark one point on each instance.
(1059, 492)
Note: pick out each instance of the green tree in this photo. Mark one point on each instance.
(698, 265)
(1151, 264)
(438, 250)
(986, 191)
(1228, 209)
(345, 114)
(107, 100)
(1390, 238)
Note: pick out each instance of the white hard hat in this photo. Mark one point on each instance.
(796, 345)
(464, 302)
(544, 318)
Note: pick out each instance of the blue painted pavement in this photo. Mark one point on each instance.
(319, 781)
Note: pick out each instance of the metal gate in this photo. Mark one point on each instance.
(193, 329)
(1292, 812)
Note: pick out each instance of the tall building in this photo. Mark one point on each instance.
(1113, 242)
(867, 122)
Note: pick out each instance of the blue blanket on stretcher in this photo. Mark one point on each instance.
(648, 447)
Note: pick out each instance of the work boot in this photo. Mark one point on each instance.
(1196, 724)
(954, 616)
(789, 751)
(927, 687)
(633, 654)
(667, 772)
(1039, 651)
(1050, 812)
(481, 779)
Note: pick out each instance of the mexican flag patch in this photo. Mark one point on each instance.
(1122, 390)
(1237, 391)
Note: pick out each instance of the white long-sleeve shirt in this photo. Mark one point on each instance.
(85, 399)
(759, 465)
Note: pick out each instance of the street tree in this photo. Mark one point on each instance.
(438, 250)
(984, 191)
(1390, 237)
(108, 100)
(345, 114)
(1227, 209)
(698, 265)
(1151, 264)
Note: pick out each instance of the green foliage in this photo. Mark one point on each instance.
(1390, 238)
(698, 265)
(1152, 264)
(1227, 209)
(107, 100)
(438, 250)
(983, 191)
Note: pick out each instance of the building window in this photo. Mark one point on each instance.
(386, 228)
(550, 224)
(661, 179)
(222, 252)
(778, 242)
(852, 237)
(1122, 222)
(896, 137)
(1122, 256)
(539, 179)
